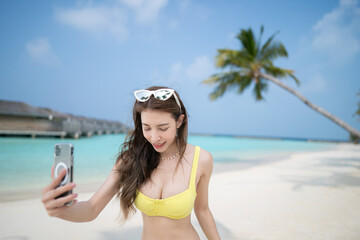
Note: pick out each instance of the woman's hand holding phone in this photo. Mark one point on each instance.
(55, 206)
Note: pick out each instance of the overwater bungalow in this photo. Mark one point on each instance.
(22, 119)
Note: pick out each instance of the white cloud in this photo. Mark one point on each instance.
(316, 83)
(337, 34)
(96, 20)
(200, 68)
(146, 11)
(113, 20)
(39, 51)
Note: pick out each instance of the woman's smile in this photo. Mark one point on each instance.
(158, 146)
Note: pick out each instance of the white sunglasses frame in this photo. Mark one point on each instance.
(152, 92)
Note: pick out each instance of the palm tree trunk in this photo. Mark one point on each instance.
(338, 121)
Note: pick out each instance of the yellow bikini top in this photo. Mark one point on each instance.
(175, 207)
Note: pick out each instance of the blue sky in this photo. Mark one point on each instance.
(87, 57)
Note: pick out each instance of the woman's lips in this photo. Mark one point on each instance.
(159, 146)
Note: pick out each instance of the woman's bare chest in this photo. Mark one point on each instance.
(167, 181)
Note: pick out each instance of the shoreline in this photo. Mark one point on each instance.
(91, 186)
(320, 140)
(307, 195)
(219, 167)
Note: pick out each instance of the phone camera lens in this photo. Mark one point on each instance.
(57, 150)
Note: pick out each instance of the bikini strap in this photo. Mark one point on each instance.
(194, 167)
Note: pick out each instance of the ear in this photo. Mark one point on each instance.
(180, 121)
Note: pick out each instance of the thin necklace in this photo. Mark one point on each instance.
(169, 158)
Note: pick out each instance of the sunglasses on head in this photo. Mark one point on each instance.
(160, 94)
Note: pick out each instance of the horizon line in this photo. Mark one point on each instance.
(272, 137)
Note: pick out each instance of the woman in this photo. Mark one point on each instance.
(156, 170)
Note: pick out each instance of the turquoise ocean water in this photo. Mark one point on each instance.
(25, 163)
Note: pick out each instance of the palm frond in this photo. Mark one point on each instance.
(267, 43)
(275, 71)
(273, 51)
(211, 80)
(245, 83)
(248, 42)
(258, 44)
(259, 88)
(225, 81)
(232, 58)
(358, 111)
(293, 77)
(279, 72)
(221, 88)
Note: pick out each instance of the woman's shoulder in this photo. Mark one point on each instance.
(205, 155)
(205, 163)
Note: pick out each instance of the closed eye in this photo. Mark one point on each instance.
(163, 129)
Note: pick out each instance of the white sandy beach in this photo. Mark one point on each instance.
(313, 195)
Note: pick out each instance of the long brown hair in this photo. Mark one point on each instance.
(137, 158)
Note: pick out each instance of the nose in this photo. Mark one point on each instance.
(155, 137)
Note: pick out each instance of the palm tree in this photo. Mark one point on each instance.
(358, 110)
(254, 63)
(354, 138)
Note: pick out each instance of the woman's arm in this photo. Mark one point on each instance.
(84, 211)
(201, 208)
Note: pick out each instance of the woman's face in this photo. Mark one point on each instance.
(159, 128)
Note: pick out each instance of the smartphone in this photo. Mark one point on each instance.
(64, 159)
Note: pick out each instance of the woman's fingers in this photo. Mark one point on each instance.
(58, 203)
(55, 211)
(60, 190)
(52, 172)
(63, 200)
(53, 193)
(52, 205)
(56, 181)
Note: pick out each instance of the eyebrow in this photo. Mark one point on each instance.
(160, 125)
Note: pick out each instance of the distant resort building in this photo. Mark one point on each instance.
(21, 119)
